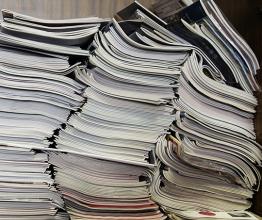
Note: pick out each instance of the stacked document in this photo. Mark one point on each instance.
(203, 25)
(68, 37)
(130, 119)
(182, 185)
(62, 32)
(36, 97)
(130, 88)
(26, 188)
(209, 160)
(100, 189)
(37, 93)
(129, 99)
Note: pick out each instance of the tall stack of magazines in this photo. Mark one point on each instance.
(127, 118)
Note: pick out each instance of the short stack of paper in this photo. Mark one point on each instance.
(34, 101)
(67, 36)
(211, 33)
(26, 186)
(100, 189)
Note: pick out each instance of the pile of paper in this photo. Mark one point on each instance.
(101, 189)
(60, 32)
(67, 36)
(182, 184)
(26, 186)
(34, 101)
(37, 93)
(129, 104)
(209, 160)
(142, 78)
(139, 118)
(129, 100)
(203, 25)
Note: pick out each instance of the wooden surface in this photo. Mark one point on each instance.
(58, 9)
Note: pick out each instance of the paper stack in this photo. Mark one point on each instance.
(26, 186)
(29, 79)
(139, 118)
(209, 161)
(129, 104)
(101, 189)
(93, 188)
(129, 99)
(66, 37)
(38, 94)
(203, 25)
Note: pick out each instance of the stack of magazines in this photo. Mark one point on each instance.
(27, 190)
(102, 189)
(38, 93)
(35, 99)
(128, 119)
(129, 96)
(209, 160)
(128, 99)
(68, 37)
